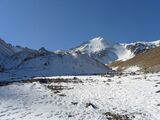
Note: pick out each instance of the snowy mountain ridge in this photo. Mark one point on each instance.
(92, 46)
(103, 51)
(88, 58)
(27, 63)
(6, 50)
(155, 43)
(106, 52)
(140, 47)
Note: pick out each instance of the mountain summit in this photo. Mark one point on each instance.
(103, 51)
(92, 46)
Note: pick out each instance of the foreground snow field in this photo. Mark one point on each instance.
(83, 98)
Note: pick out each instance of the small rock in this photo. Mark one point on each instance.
(158, 91)
(92, 105)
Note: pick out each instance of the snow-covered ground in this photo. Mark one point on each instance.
(83, 98)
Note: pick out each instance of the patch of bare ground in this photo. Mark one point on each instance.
(116, 116)
(59, 80)
(149, 61)
(58, 87)
(43, 81)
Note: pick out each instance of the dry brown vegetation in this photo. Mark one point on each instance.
(149, 61)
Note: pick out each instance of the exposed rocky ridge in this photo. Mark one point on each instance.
(140, 47)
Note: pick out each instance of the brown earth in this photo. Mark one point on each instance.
(148, 61)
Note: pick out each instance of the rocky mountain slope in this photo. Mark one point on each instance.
(6, 50)
(149, 61)
(140, 47)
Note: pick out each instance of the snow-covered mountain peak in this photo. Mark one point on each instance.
(92, 46)
(97, 44)
(103, 51)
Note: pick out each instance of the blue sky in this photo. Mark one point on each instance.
(62, 24)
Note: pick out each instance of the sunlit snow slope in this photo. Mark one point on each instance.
(22, 63)
(103, 51)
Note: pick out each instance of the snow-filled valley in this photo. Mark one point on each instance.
(120, 97)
